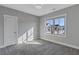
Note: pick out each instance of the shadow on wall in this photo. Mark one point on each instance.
(27, 36)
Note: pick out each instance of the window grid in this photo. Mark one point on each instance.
(58, 25)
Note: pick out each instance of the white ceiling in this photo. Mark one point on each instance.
(31, 9)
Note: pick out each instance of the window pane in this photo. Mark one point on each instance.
(59, 25)
(49, 25)
(56, 25)
(50, 22)
(61, 21)
(56, 21)
(61, 29)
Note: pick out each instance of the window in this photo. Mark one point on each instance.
(56, 26)
(49, 23)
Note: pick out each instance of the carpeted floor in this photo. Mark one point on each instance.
(38, 47)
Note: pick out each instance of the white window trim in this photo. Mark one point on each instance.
(56, 17)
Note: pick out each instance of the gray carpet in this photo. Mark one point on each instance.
(38, 47)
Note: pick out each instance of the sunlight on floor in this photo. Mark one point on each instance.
(27, 37)
(30, 34)
(33, 42)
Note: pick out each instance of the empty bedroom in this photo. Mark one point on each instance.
(39, 29)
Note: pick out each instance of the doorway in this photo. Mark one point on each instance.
(10, 30)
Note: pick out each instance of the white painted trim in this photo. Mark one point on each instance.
(49, 17)
(4, 29)
(3, 46)
(65, 44)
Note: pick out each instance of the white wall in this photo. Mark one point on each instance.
(25, 22)
(72, 28)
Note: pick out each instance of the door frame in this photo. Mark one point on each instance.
(4, 30)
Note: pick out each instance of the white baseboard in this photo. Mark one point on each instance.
(72, 46)
(3, 46)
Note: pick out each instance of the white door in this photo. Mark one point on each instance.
(10, 30)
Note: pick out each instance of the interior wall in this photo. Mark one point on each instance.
(25, 22)
(72, 29)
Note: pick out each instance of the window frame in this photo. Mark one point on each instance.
(58, 16)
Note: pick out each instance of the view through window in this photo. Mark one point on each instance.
(56, 25)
